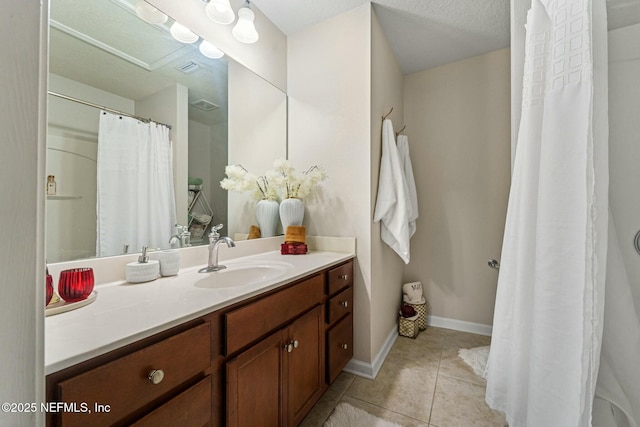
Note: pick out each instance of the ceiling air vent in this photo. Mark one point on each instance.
(205, 105)
(189, 67)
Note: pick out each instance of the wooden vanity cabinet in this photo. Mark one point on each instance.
(339, 319)
(264, 361)
(278, 380)
(161, 374)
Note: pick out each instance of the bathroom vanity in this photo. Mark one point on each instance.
(264, 352)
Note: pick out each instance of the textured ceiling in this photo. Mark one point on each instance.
(422, 33)
(428, 33)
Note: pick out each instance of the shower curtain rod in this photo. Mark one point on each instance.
(111, 110)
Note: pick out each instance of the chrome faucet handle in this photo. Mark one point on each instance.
(214, 235)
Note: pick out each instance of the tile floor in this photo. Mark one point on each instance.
(423, 382)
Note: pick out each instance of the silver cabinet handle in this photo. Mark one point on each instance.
(293, 344)
(155, 376)
(344, 303)
(344, 346)
(344, 277)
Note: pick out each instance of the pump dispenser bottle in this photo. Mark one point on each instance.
(144, 270)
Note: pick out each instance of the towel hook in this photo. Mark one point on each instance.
(387, 115)
(400, 131)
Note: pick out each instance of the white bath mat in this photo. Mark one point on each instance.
(476, 358)
(346, 415)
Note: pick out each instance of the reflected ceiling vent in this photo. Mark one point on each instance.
(204, 105)
(189, 67)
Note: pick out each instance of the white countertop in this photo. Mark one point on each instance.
(124, 313)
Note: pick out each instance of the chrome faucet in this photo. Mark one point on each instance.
(214, 243)
(181, 238)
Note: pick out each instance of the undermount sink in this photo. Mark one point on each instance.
(244, 274)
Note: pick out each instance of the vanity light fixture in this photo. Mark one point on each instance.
(209, 50)
(245, 30)
(182, 33)
(150, 14)
(220, 11)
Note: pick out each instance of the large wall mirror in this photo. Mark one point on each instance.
(219, 112)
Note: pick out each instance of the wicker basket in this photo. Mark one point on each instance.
(408, 326)
(421, 310)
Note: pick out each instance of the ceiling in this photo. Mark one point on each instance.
(428, 33)
(422, 33)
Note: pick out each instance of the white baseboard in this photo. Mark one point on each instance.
(370, 370)
(459, 325)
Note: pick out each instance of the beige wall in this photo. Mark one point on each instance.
(386, 266)
(23, 72)
(267, 57)
(458, 122)
(329, 125)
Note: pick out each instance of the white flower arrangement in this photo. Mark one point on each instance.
(239, 179)
(293, 185)
(282, 179)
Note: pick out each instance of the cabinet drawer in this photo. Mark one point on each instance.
(191, 408)
(340, 305)
(339, 347)
(339, 277)
(123, 384)
(255, 320)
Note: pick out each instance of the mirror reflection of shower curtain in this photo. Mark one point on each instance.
(135, 203)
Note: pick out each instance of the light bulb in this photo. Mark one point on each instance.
(150, 14)
(220, 11)
(209, 50)
(182, 33)
(245, 31)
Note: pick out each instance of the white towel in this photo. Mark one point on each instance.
(393, 201)
(405, 160)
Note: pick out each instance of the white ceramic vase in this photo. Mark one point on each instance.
(291, 212)
(267, 217)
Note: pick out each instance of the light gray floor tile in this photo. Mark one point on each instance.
(452, 366)
(459, 403)
(385, 414)
(322, 410)
(398, 387)
(342, 383)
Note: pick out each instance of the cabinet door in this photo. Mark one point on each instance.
(305, 365)
(253, 384)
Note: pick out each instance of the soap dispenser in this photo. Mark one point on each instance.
(144, 270)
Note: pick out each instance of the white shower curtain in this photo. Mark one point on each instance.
(547, 330)
(136, 203)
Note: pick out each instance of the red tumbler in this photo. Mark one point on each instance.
(75, 284)
(49, 289)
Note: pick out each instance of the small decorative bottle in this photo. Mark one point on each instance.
(51, 185)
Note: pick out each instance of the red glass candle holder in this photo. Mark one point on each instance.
(75, 284)
(49, 289)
